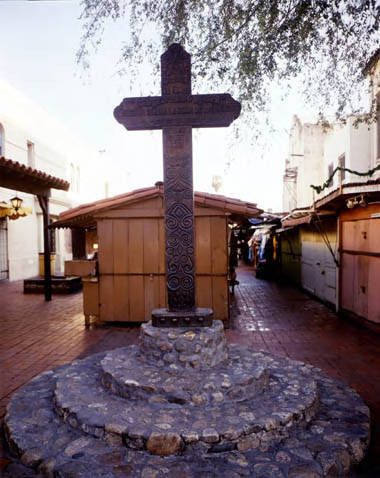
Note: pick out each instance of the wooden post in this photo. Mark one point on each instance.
(44, 204)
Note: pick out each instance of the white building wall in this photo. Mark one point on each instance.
(358, 150)
(336, 141)
(375, 127)
(57, 152)
(313, 150)
(310, 168)
(295, 154)
(304, 159)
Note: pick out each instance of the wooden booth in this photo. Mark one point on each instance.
(360, 262)
(126, 234)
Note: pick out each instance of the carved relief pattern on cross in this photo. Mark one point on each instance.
(176, 112)
(179, 217)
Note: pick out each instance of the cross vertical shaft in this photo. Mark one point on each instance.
(176, 112)
(179, 217)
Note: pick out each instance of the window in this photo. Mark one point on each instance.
(330, 170)
(342, 164)
(31, 158)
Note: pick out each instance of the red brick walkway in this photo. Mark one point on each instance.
(36, 336)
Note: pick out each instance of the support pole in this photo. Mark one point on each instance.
(44, 204)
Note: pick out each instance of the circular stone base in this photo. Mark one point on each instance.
(125, 373)
(184, 347)
(98, 434)
(84, 404)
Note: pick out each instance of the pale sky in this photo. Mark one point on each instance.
(37, 56)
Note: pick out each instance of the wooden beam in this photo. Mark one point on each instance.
(25, 185)
(44, 203)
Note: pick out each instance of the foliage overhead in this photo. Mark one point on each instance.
(247, 46)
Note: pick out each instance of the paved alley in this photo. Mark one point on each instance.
(36, 336)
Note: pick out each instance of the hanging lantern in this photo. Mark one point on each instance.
(16, 203)
(14, 210)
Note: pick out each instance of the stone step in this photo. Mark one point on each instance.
(332, 442)
(125, 372)
(84, 403)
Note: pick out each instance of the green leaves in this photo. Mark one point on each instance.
(243, 46)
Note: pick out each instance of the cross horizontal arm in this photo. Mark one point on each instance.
(197, 111)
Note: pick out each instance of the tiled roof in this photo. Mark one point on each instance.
(83, 216)
(22, 172)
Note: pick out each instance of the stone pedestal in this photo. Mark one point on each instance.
(184, 347)
(199, 317)
(185, 403)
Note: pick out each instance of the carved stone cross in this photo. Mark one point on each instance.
(176, 112)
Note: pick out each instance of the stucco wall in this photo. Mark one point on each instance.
(310, 168)
(57, 152)
(312, 150)
(375, 127)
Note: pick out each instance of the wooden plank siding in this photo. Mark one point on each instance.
(360, 262)
(132, 261)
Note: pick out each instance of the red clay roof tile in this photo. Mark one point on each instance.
(45, 179)
(83, 213)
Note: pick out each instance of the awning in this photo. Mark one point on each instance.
(296, 221)
(20, 177)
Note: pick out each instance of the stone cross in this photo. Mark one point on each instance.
(176, 112)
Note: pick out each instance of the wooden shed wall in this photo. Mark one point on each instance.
(360, 262)
(132, 261)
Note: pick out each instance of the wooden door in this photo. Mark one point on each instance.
(131, 268)
(373, 288)
(361, 268)
(348, 266)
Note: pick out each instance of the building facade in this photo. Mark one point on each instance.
(32, 137)
(336, 226)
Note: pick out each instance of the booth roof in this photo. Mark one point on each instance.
(83, 215)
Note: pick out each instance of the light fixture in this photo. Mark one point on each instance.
(356, 201)
(362, 202)
(16, 203)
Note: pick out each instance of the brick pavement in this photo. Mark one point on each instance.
(277, 318)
